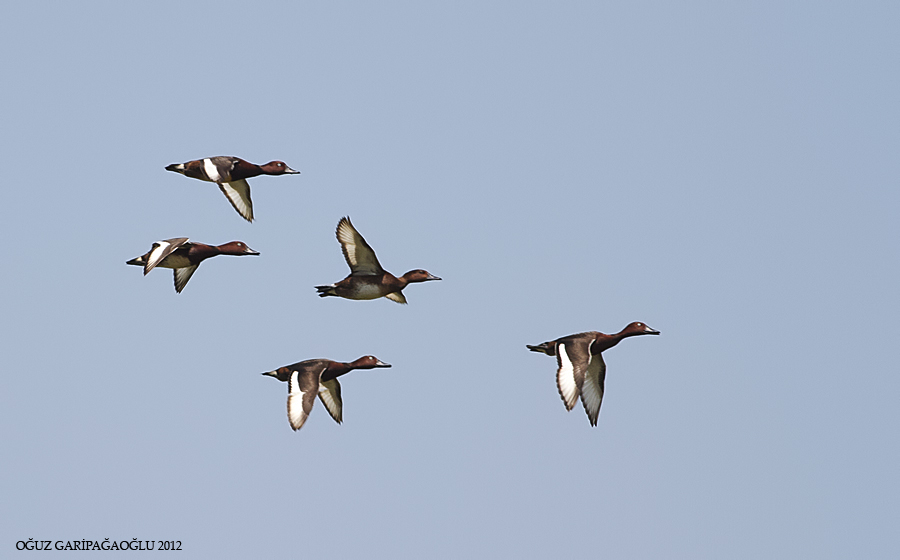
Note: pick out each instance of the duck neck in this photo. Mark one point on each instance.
(224, 250)
(606, 341)
(247, 169)
(336, 369)
(204, 251)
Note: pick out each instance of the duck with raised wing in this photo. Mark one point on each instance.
(231, 174)
(582, 371)
(367, 279)
(309, 378)
(184, 256)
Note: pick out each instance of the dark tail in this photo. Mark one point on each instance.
(176, 167)
(326, 290)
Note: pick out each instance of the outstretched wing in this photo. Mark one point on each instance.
(303, 385)
(330, 395)
(572, 357)
(360, 257)
(161, 250)
(238, 194)
(592, 389)
(182, 275)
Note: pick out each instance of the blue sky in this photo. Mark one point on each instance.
(726, 174)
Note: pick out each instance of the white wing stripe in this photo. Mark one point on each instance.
(565, 378)
(159, 248)
(296, 414)
(211, 170)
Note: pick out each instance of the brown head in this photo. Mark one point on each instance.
(368, 362)
(637, 329)
(419, 275)
(277, 168)
(237, 248)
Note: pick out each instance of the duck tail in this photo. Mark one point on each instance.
(137, 261)
(326, 290)
(176, 167)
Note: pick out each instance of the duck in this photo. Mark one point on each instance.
(185, 256)
(231, 174)
(309, 378)
(582, 371)
(367, 280)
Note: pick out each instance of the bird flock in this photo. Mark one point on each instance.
(581, 371)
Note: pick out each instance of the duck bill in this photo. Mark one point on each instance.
(250, 251)
(431, 277)
(382, 364)
(289, 171)
(650, 331)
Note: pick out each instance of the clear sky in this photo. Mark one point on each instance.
(726, 173)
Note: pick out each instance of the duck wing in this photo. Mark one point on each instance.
(161, 250)
(182, 275)
(238, 194)
(330, 395)
(303, 386)
(592, 389)
(397, 296)
(572, 357)
(360, 257)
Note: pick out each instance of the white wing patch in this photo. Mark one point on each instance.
(330, 394)
(565, 378)
(592, 389)
(211, 170)
(182, 275)
(156, 255)
(161, 250)
(238, 194)
(298, 406)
